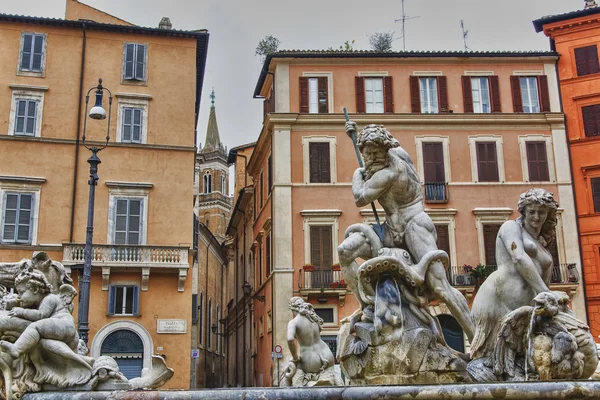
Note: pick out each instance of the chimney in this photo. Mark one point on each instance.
(165, 23)
(590, 4)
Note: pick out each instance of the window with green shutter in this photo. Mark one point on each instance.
(32, 52)
(17, 218)
(134, 67)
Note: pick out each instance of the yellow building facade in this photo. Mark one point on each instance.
(140, 298)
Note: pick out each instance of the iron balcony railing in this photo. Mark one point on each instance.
(436, 192)
(314, 278)
(465, 275)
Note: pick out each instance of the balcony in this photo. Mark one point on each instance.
(322, 282)
(436, 192)
(108, 256)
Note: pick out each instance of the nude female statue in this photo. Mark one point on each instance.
(524, 267)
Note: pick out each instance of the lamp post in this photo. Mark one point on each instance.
(97, 112)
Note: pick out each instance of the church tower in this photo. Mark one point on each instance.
(212, 203)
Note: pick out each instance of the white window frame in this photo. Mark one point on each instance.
(131, 81)
(445, 140)
(425, 95)
(329, 76)
(130, 100)
(321, 218)
(313, 95)
(478, 106)
(25, 92)
(523, 139)
(25, 188)
(332, 140)
(376, 107)
(335, 323)
(488, 215)
(446, 216)
(42, 72)
(499, 155)
(115, 193)
(529, 97)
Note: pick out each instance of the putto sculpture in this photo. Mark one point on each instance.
(312, 362)
(403, 272)
(40, 347)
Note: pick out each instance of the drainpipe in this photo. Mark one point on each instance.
(582, 278)
(207, 314)
(224, 285)
(79, 105)
(245, 299)
(237, 308)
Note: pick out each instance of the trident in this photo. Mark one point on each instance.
(377, 227)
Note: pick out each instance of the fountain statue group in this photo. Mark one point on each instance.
(40, 349)
(518, 328)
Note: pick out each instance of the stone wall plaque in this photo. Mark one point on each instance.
(171, 326)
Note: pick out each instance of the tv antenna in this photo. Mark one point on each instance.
(464, 33)
(404, 18)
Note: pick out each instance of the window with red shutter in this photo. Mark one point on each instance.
(495, 89)
(388, 94)
(361, 106)
(544, 93)
(321, 254)
(443, 90)
(537, 162)
(323, 95)
(515, 86)
(490, 232)
(586, 60)
(319, 168)
(303, 94)
(487, 162)
(595, 182)
(591, 120)
(467, 94)
(443, 238)
(433, 162)
(415, 96)
(268, 255)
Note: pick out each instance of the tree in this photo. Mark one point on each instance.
(268, 45)
(381, 42)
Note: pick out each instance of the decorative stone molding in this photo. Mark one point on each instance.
(145, 279)
(105, 278)
(182, 278)
(95, 349)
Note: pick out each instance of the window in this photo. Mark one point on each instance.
(433, 172)
(132, 125)
(480, 91)
(207, 188)
(586, 60)
(201, 319)
(128, 221)
(260, 263)
(487, 162)
(32, 52)
(269, 321)
(490, 232)
(591, 120)
(327, 314)
(596, 193)
(17, 218)
(443, 238)
(429, 95)
(321, 254)
(194, 309)
(331, 341)
(530, 94)
(268, 254)
(260, 190)
(374, 94)
(537, 162)
(218, 315)
(314, 95)
(26, 114)
(319, 162)
(123, 300)
(270, 174)
(134, 64)
(224, 185)
(209, 324)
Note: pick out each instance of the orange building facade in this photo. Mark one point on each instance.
(481, 128)
(576, 37)
(140, 298)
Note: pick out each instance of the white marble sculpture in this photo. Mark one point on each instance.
(520, 324)
(312, 362)
(403, 272)
(40, 347)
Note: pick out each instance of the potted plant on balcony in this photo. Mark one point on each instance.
(479, 273)
(334, 285)
(343, 284)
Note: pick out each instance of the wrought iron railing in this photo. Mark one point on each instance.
(466, 275)
(314, 278)
(127, 255)
(565, 273)
(436, 192)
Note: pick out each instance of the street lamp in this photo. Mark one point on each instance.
(97, 112)
(213, 328)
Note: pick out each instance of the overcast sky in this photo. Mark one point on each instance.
(236, 26)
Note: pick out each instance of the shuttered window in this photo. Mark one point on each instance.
(26, 116)
(537, 162)
(132, 125)
(374, 95)
(17, 218)
(596, 193)
(487, 162)
(32, 52)
(321, 253)
(194, 309)
(443, 238)
(586, 60)
(428, 94)
(591, 120)
(135, 62)
(433, 162)
(128, 223)
(314, 95)
(481, 95)
(553, 249)
(268, 254)
(123, 300)
(490, 232)
(319, 162)
(530, 94)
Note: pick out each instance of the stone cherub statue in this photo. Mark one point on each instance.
(40, 346)
(312, 362)
(403, 272)
(502, 311)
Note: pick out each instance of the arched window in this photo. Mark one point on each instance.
(127, 349)
(207, 182)
(453, 333)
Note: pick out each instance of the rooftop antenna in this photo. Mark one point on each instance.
(464, 33)
(403, 19)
